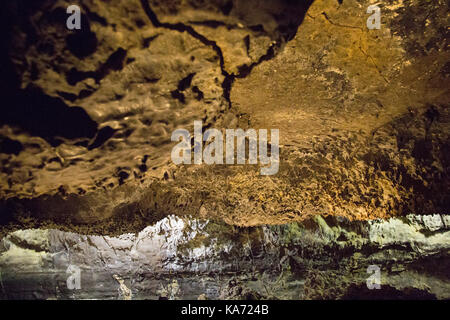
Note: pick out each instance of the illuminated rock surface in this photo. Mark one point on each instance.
(290, 261)
(87, 116)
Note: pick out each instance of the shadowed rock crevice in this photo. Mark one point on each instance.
(47, 117)
(186, 28)
(10, 146)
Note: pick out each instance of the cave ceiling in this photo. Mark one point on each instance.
(87, 115)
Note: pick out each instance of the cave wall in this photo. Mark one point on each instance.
(193, 258)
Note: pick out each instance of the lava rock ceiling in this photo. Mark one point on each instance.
(87, 115)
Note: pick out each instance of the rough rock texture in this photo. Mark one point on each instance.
(91, 110)
(85, 126)
(363, 117)
(185, 259)
(87, 115)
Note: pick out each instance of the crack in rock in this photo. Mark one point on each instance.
(243, 71)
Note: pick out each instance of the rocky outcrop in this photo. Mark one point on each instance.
(187, 258)
(363, 118)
